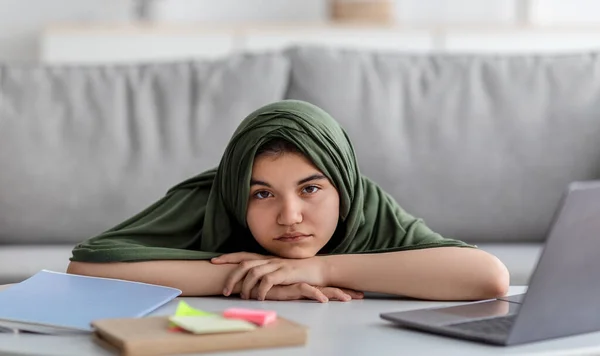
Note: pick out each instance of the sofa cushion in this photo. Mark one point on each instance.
(83, 148)
(18, 262)
(480, 146)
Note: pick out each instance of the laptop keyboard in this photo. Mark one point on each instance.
(492, 326)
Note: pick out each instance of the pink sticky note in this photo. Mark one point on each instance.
(256, 316)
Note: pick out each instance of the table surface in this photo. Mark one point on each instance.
(335, 328)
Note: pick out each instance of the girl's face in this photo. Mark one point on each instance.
(293, 209)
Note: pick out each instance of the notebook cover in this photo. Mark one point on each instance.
(53, 301)
(150, 336)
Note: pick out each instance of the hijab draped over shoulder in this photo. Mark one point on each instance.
(205, 216)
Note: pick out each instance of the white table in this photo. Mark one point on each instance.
(335, 328)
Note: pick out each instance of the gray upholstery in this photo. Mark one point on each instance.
(479, 146)
(82, 148)
(20, 261)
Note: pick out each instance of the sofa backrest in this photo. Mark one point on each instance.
(479, 146)
(83, 148)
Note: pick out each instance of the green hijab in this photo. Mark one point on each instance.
(205, 216)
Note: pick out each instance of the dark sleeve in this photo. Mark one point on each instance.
(169, 229)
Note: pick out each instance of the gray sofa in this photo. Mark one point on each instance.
(480, 146)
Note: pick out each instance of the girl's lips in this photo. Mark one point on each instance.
(292, 238)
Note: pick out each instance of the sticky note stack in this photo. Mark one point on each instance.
(256, 316)
(195, 331)
(185, 310)
(197, 321)
(211, 324)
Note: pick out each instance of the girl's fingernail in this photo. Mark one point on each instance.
(225, 291)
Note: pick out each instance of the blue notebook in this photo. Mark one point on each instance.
(54, 302)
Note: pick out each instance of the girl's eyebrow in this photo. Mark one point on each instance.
(259, 182)
(313, 177)
(301, 181)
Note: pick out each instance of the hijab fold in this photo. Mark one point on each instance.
(205, 216)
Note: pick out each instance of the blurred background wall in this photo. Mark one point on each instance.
(82, 31)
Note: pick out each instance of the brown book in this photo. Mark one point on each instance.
(151, 336)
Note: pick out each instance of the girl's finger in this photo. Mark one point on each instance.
(267, 282)
(336, 293)
(254, 275)
(352, 293)
(239, 273)
(291, 292)
(311, 292)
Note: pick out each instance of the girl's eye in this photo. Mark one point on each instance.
(261, 194)
(311, 189)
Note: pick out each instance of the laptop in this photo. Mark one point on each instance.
(563, 296)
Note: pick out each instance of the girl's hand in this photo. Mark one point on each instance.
(266, 273)
(305, 291)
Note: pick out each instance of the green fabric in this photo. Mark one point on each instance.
(204, 216)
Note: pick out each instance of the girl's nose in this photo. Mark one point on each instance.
(290, 213)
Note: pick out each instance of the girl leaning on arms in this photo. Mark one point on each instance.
(287, 215)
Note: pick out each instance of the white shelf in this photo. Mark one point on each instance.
(522, 42)
(365, 38)
(133, 43)
(103, 48)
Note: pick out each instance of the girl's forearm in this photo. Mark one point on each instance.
(445, 273)
(193, 278)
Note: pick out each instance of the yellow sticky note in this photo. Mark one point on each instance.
(184, 309)
(211, 324)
